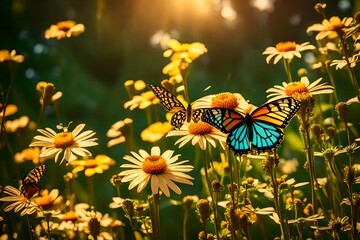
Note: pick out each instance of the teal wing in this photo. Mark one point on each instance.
(233, 123)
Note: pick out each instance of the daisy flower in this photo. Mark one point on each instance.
(115, 133)
(304, 86)
(48, 199)
(91, 166)
(226, 100)
(287, 50)
(19, 202)
(199, 133)
(69, 143)
(64, 29)
(161, 169)
(5, 55)
(156, 131)
(142, 101)
(329, 28)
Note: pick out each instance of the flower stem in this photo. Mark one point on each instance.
(287, 69)
(186, 215)
(155, 215)
(48, 215)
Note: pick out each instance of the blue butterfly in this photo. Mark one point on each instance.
(260, 129)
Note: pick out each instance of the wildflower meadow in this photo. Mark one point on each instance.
(175, 119)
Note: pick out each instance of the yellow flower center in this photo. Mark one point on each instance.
(224, 100)
(200, 128)
(45, 202)
(295, 87)
(63, 140)
(70, 216)
(286, 46)
(154, 165)
(65, 25)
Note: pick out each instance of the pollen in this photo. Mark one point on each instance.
(224, 100)
(63, 140)
(286, 46)
(295, 87)
(154, 165)
(200, 128)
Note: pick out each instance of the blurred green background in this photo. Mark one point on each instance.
(116, 46)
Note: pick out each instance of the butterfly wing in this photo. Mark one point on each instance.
(233, 123)
(178, 119)
(167, 100)
(269, 120)
(196, 114)
(32, 179)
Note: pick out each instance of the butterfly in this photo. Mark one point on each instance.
(30, 183)
(261, 129)
(172, 104)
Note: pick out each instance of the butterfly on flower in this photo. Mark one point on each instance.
(172, 104)
(30, 185)
(261, 129)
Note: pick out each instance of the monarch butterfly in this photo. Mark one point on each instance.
(172, 104)
(260, 129)
(30, 183)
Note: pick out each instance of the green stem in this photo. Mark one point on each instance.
(184, 77)
(186, 215)
(29, 227)
(214, 205)
(48, 225)
(232, 193)
(155, 215)
(287, 69)
(277, 203)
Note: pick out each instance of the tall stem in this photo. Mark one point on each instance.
(155, 215)
(287, 69)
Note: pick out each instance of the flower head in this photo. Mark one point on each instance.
(142, 101)
(91, 166)
(64, 29)
(161, 169)
(5, 55)
(226, 100)
(115, 133)
(287, 50)
(48, 199)
(47, 93)
(156, 131)
(199, 133)
(329, 28)
(19, 201)
(66, 142)
(303, 86)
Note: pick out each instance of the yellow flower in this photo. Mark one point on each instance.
(222, 100)
(199, 133)
(11, 109)
(47, 93)
(287, 50)
(156, 131)
(304, 86)
(64, 29)
(27, 206)
(330, 28)
(48, 199)
(115, 133)
(29, 154)
(181, 55)
(91, 166)
(161, 169)
(142, 101)
(71, 143)
(5, 55)
(12, 126)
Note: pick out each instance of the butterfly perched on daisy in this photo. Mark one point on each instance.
(30, 185)
(259, 129)
(172, 104)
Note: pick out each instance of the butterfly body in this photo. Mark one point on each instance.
(30, 183)
(172, 104)
(259, 130)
